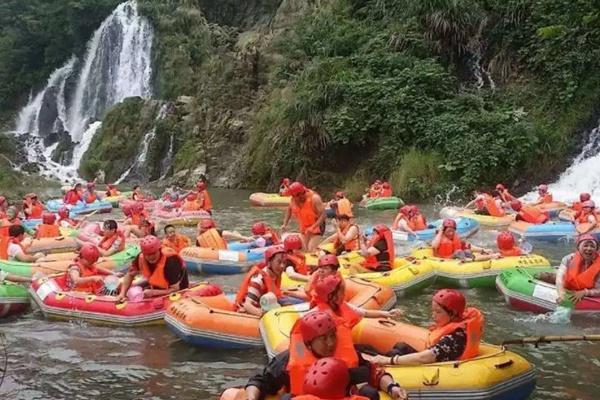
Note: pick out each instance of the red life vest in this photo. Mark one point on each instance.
(576, 279)
(386, 192)
(448, 247)
(90, 197)
(156, 277)
(36, 211)
(472, 323)
(4, 242)
(271, 284)
(47, 231)
(84, 272)
(274, 236)
(304, 213)
(71, 197)
(107, 242)
(371, 262)
(532, 215)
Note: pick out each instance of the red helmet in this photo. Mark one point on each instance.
(259, 228)
(589, 204)
(89, 252)
(500, 187)
(91, 185)
(451, 300)
(315, 324)
(273, 251)
(191, 197)
(585, 237)
(405, 210)
(127, 210)
(339, 195)
(207, 224)
(449, 223)
(150, 245)
(386, 185)
(296, 188)
(292, 242)
(543, 188)
(2, 199)
(48, 218)
(201, 185)
(582, 197)
(323, 287)
(137, 207)
(329, 260)
(505, 241)
(63, 212)
(516, 205)
(327, 378)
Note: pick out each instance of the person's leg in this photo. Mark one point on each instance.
(313, 242)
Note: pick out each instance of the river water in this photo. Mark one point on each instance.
(75, 360)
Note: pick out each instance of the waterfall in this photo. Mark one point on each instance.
(168, 160)
(583, 175)
(116, 65)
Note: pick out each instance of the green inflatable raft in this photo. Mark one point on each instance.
(384, 203)
(14, 299)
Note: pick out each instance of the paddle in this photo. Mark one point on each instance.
(537, 340)
(85, 217)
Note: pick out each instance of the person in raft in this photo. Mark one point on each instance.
(315, 336)
(328, 378)
(111, 190)
(295, 261)
(455, 334)
(378, 251)
(211, 237)
(403, 222)
(84, 275)
(163, 270)
(586, 220)
(448, 244)
(284, 186)
(204, 197)
(346, 236)
(504, 195)
(544, 196)
(48, 228)
(74, 196)
(506, 245)
(13, 248)
(32, 208)
(64, 219)
(528, 213)
(578, 205)
(308, 209)
(484, 204)
(341, 205)
(11, 218)
(90, 195)
(264, 278)
(263, 235)
(175, 240)
(113, 240)
(579, 272)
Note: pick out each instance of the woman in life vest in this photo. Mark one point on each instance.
(308, 209)
(48, 227)
(14, 248)
(528, 213)
(175, 240)
(403, 222)
(111, 190)
(191, 203)
(284, 186)
(84, 275)
(418, 220)
(113, 240)
(378, 251)
(328, 378)
(204, 197)
(64, 219)
(375, 190)
(136, 214)
(263, 278)
(11, 218)
(32, 208)
(544, 196)
(164, 272)
(447, 243)
(455, 334)
(341, 205)
(74, 195)
(586, 220)
(578, 275)
(346, 236)
(315, 336)
(263, 235)
(210, 237)
(504, 194)
(90, 194)
(295, 261)
(578, 205)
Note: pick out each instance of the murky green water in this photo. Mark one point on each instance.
(74, 360)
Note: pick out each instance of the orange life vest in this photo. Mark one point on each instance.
(514, 252)
(547, 198)
(349, 245)
(207, 201)
(301, 358)
(472, 323)
(47, 231)
(576, 279)
(532, 215)
(178, 244)
(71, 197)
(274, 236)
(344, 315)
(582, 218)
(91, 197)
(36, 211)
(272, 285)
(417, 222)
(85, 272)
(156, 278)
(112, 192)
(107, 242)
(211, 240)
(136, 218)
(448, 247)
(4, 242)
(298, 261)
(304, 213)
(371, 262)
(492, 207)
(344, 207)
(192, 205)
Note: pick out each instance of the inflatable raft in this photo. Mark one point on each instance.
(384, 203)
(550, 231)
(494, 374)
(553, 208)
(14, 299)
(115, 200)
(57, 303)
(465, 227)
(53, 245)
(80, 207)
(523, 291)
(56, 263)
(221, 262)
(212, 321)
(269, 200)
(180, 218)
(487, 220)
(473, 274)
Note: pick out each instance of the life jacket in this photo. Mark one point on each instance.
(298, 261)
(178, 244)
(386, 192)
(547, 198)
(344, 207)
(84, 272)
(71, 197)
(211, 240)
(112, 192)
(207, 201)
(273, 286)
(492, 207)
(372, 262)
(191, 205)
(577, 206)
(532, 215)
(349, 245)
(156, 278)
(301, 358)
(304, 213)
(417, 222)
(36, 211)
(472, 323)
(90, 197)
(47, 231)
(514, 252)
(345, 314)
(448, 247)
(576, 279)
(274, 236)
(136, 218)
(4, 242)
(107, 242)
(6, 223)
(582, 218)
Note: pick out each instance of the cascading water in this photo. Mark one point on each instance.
(116, 65)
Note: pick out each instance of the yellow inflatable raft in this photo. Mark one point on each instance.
(58, 244)
(471, 274)
(487, 220)
(269, 200)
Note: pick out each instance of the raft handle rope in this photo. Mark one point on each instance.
(537, 340)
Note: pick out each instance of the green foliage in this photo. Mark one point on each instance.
(418, 175)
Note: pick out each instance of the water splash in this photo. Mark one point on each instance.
(560, 316)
